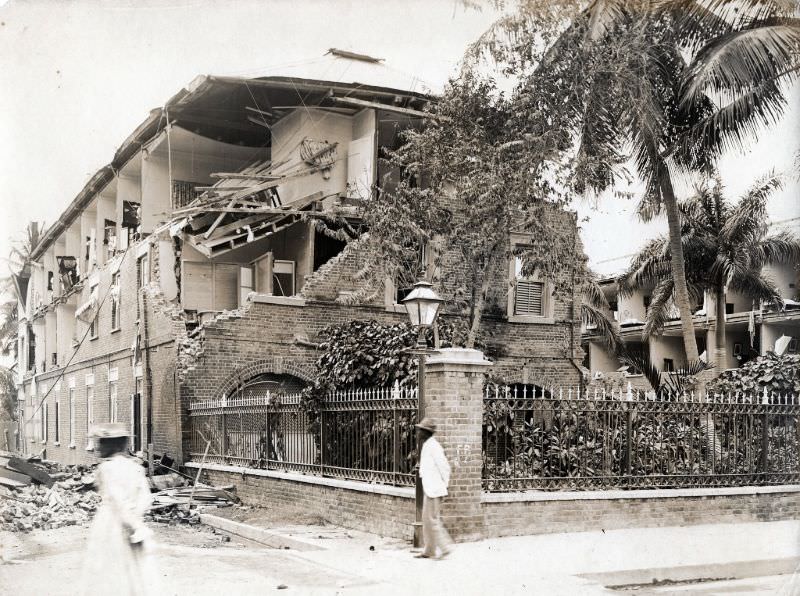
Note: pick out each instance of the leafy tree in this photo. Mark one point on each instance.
(16, 283)
(726, 247)
(668, 84)
(8, 395)
(465, 184)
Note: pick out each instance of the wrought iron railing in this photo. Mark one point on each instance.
(361, 434)
(568, 440)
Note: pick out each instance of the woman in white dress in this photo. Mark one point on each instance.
(118, 556)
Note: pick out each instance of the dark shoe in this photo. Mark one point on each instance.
(422, 556)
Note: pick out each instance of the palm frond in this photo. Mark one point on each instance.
(732, 126)
(593, 294)
(706, 19)
(659, 311)
(783, 247)
(747, 219)
(640, 363)
(603, 327)
(680, 381)
(734, 62)
(756, 285)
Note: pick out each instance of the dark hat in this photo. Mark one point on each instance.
(427, 424)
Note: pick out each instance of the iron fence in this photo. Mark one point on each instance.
(567, 440)
(361, 434)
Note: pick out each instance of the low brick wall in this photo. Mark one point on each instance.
(383, 510)
(517, 514)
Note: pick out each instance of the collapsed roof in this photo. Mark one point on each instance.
(241, 111)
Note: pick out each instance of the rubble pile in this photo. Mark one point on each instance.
(71, 500)
(184, 504)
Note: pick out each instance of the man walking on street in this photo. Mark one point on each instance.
(434, 472)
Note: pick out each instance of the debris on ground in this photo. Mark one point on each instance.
(40, 494)
(69, 500)
(175, 504)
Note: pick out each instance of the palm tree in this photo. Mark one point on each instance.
(594, 307)
(726, 247)
(675, 83)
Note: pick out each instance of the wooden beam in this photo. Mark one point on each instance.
(255, 120)
(386, 108)
(235, 225)
(244, 176)
(257, 111)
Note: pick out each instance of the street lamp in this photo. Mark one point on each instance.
(422, 305)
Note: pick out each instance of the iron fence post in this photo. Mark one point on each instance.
(267, 435)
(628, 438)
(765, 444)
(322, 439)
(395, 440)
(224, 437)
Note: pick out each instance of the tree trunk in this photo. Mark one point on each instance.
(678, 268)
(721, 350)
(479, 287)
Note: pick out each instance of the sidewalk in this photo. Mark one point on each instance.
(552, 563)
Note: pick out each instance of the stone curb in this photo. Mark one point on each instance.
(256, 534)
(687, 573)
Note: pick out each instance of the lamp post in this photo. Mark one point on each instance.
(422, 305)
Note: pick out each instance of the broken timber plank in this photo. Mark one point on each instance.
(239, 223)
(9, 474)
(267, 177)
(385, 107)
(12, 483)
(35, 472)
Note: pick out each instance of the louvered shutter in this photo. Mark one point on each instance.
(528, 298)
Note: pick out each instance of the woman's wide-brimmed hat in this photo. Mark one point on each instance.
(109, 430)
(427, 424)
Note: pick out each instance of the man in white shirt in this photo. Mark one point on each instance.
(434, 472)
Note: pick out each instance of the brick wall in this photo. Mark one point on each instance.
(659, 509)
(383, 514)
(111, 349)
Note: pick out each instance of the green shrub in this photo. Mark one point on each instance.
(776, 374)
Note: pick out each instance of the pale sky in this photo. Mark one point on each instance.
(76, 77)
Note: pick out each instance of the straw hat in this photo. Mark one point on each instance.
(109, 430)
(427, 424)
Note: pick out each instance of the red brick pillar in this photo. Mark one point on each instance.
(454, 400)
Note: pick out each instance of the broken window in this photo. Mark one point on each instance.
(68, 272)
(109, 237)
(283, 278)
(131, 223)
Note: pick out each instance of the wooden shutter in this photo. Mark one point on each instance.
(528, 299)
(226, 286)
(197, 286)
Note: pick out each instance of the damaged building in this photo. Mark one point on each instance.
(194, 264)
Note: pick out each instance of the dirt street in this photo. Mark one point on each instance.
(191, 561)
